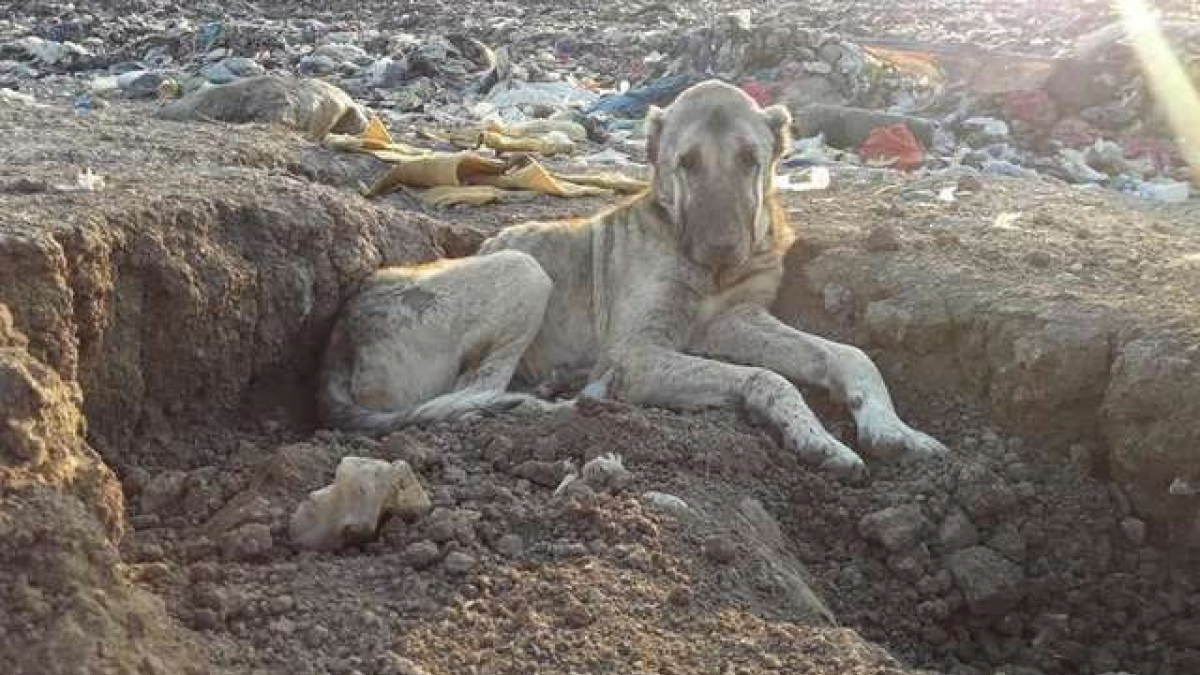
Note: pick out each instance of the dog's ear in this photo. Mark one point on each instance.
(654, 125)
(779, 118)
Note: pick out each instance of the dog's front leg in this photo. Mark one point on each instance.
(666, 378)
(751, 335)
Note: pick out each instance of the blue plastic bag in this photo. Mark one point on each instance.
(635, 102)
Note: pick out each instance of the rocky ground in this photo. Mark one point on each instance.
(159, 333)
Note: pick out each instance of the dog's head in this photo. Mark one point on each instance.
(714, 152)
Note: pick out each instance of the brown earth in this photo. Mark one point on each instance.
(180, 312)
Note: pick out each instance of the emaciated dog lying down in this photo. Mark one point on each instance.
(662, 300)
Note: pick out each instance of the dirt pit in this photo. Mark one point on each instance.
(185, 308)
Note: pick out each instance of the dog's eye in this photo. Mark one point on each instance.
(746, 157)
(689, 161)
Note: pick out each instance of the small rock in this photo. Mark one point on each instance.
(1134, 531)
(248, 542)
(982, 492)
(883, 238)
(907, 567)
(149, 552)
(577, 615)
(546, 474)
(163, 491)
(422, 554)
(990, 583)
(680, 596)
(510, 546)
(957, 532)
(394, 664)
(668, 503)
(205, 619)
(720, 549)
(1081, 458)
(896, 528)
(459, 563)
(1008, 542)
(349, 510)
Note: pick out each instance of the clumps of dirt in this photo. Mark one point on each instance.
(1001, 559)
(42, 437)
(68, 607)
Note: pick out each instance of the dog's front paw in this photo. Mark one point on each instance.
(893, 439)
(831, 456)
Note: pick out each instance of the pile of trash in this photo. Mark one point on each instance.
(1084, 115)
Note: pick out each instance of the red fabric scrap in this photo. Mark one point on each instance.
(758, 92)
(894, 144)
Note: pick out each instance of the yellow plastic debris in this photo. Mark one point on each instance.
(539, 128)
(607, 180)
(376, 136)
(438, 170)
(535, 177)
(473, 195)
(547, 145)
(466, 177)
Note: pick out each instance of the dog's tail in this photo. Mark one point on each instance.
(340, 411)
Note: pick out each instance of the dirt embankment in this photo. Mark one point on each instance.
(1073, 315)
(181, 309)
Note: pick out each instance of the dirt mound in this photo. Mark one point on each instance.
(1072, 315)
(41, 442)
(68, 607)
(1001, 559)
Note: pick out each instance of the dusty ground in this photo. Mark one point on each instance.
(185, 303)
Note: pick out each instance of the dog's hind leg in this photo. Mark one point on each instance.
(434, 342)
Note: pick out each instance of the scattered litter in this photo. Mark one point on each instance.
(85, 181)
(1182, 487)
(610, 156)
(669, 503)
(15, 97)
(1168, 192)
(892, 146)
(817, 178)
(1006, 220)
(637, 101)
(605, 473)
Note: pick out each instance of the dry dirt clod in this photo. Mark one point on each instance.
(249, 542)
(990, 583)
(720, 549)
(957, 532)
(459, 563)
(883, 238)
(983, 493)
(896, 528)
(577, 615)
(545, 474)
(164, 492)
(422, 554)
(1134, 531)
(510, 546)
